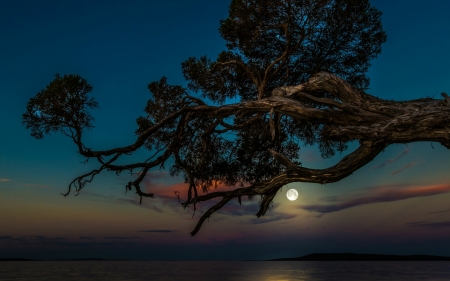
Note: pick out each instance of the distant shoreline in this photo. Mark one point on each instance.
(311, 257)
(87, 259)
(363, 257)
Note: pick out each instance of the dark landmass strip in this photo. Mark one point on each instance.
(364, 257)
(86, 259)
(16, 260)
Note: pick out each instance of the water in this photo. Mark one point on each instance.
(224, 270)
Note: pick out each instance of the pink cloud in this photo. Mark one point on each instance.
(403, 168)
(166, 193)
(162, 188)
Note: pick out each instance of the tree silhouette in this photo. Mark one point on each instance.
(295, 70)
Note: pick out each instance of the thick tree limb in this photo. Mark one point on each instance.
(345, 113)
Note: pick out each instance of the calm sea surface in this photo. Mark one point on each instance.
(226, 270)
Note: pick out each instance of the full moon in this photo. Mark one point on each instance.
(292, 194)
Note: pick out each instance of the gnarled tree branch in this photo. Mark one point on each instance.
(345, 113)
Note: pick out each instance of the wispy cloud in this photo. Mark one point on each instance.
(403, 168)
(389, 161)
(250, 208)
(46, 239)
(438, 212)
(66, 242)
(37, 239)
(147, 205)
(429, 225)
(121, 237)
(233, 208)
(271, 217)
(377, 195)
(4, 180)
(158, 231)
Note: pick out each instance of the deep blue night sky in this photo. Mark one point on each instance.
(121, 46)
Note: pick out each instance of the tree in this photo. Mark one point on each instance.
(297, 68)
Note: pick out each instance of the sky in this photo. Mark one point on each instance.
(396, 204)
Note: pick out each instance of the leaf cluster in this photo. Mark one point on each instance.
(272, 43)
(61, 107)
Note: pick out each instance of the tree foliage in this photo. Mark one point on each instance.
(61, 107)
(295, 73)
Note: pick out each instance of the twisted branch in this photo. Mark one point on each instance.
(348, 115)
